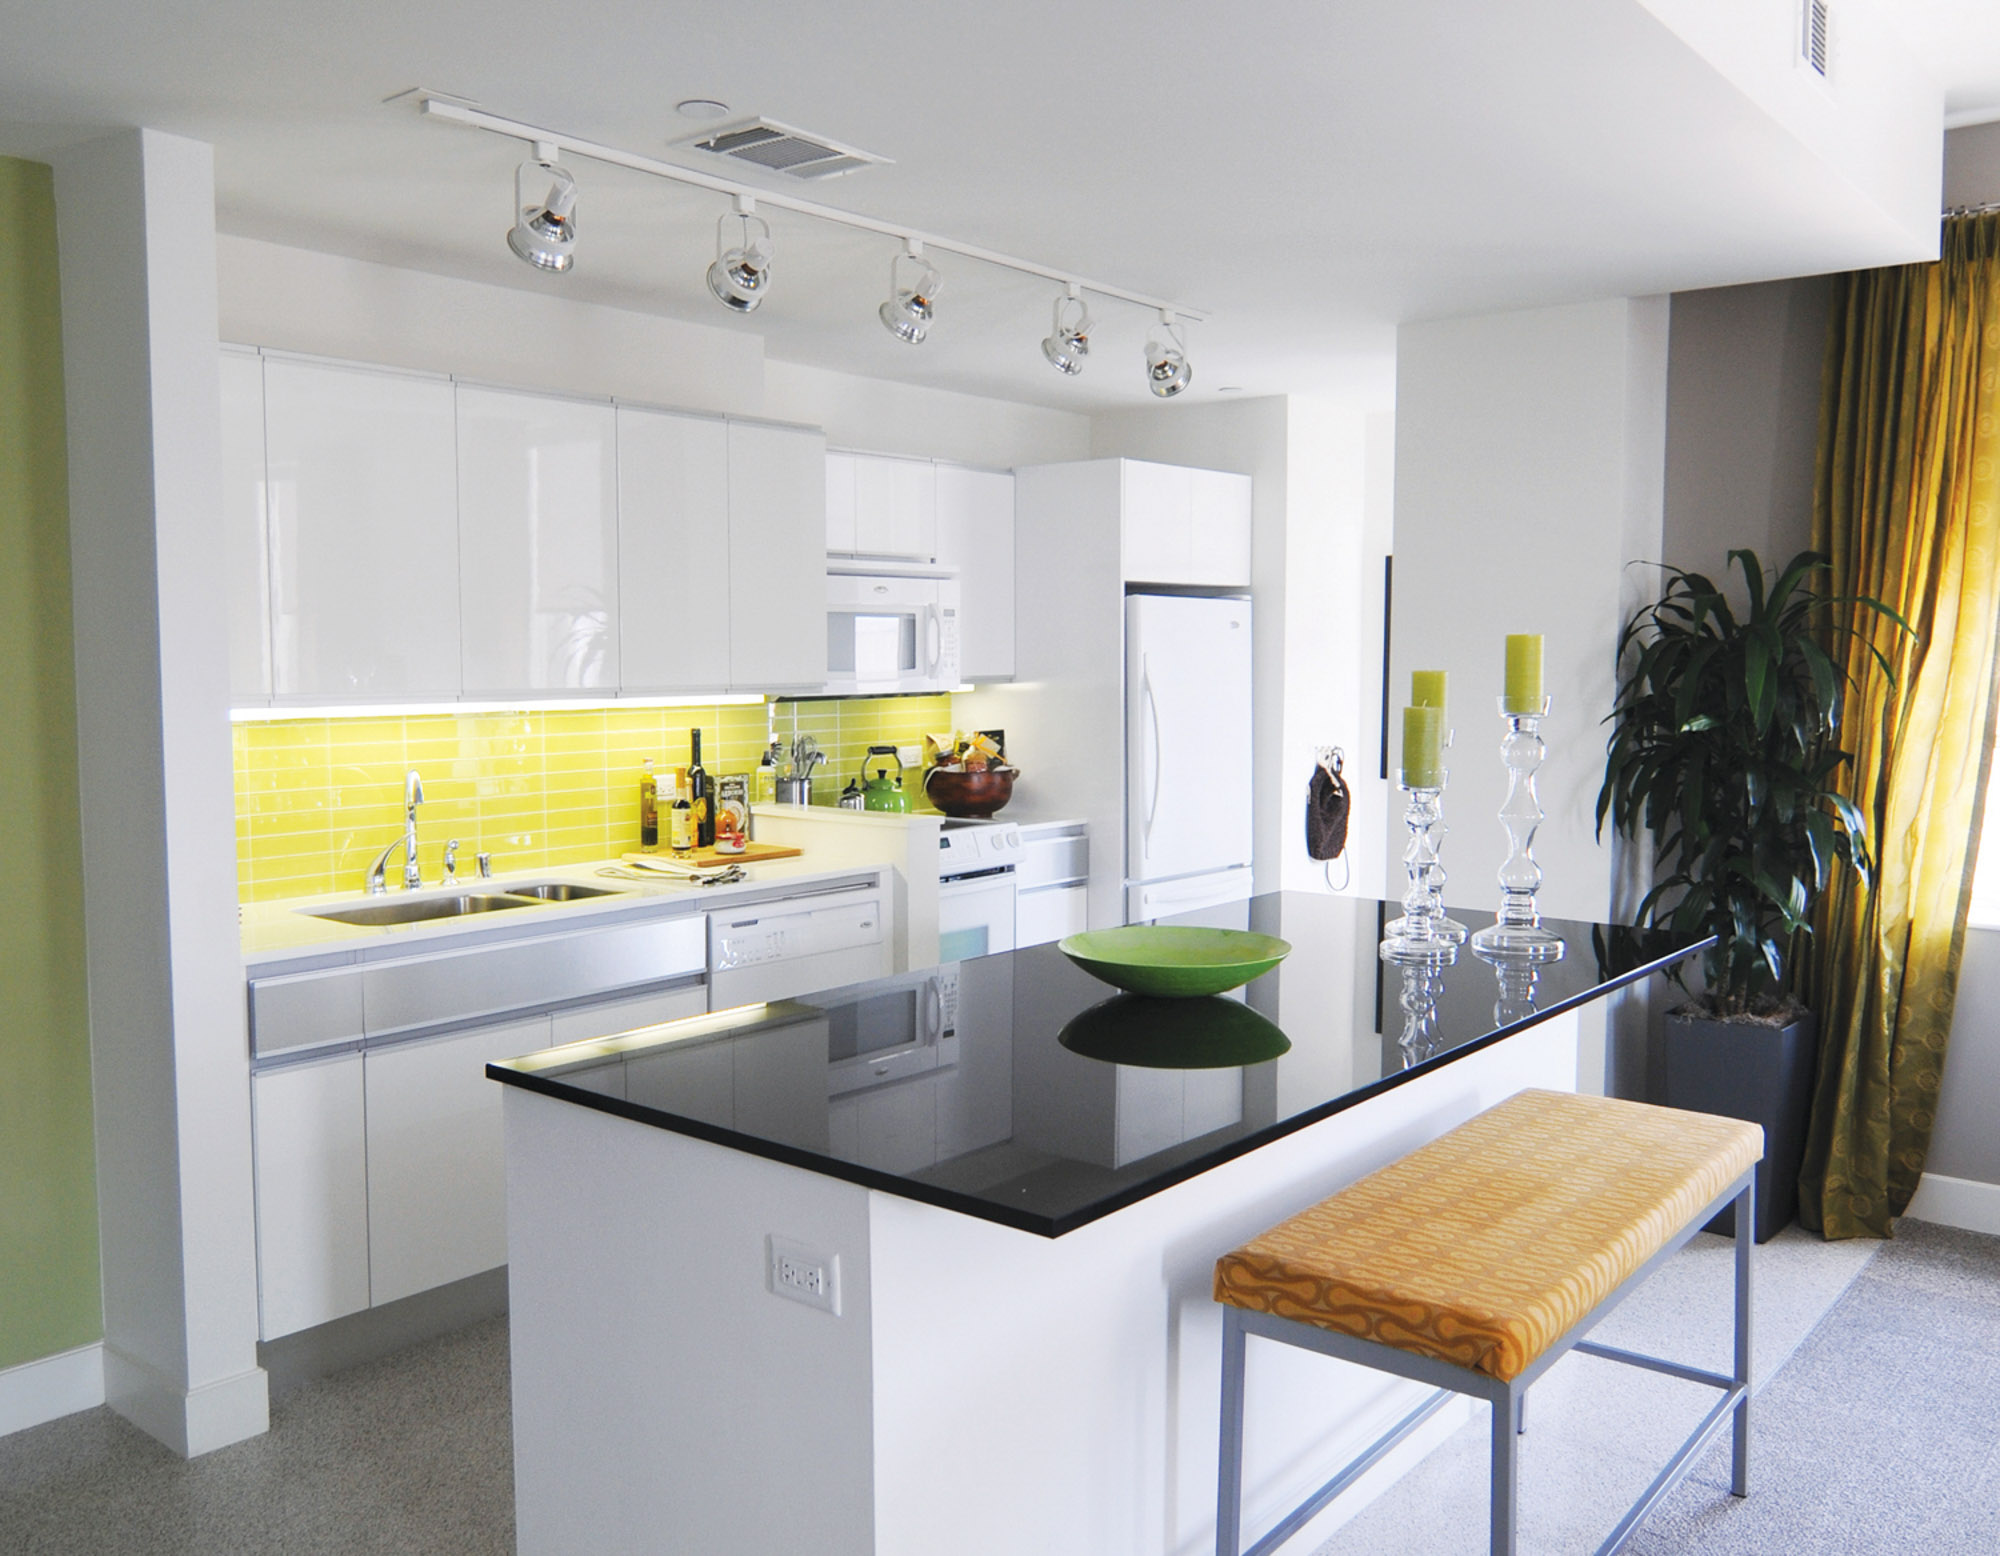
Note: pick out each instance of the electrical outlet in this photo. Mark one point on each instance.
(793, 1270)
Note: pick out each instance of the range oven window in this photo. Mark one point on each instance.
(880, 1024)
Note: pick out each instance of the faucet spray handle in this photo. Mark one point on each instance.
(451, 862)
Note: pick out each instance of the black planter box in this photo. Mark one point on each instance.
(1760, 1073)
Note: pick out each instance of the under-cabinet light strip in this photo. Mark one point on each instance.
(398, 710)
(479, 119)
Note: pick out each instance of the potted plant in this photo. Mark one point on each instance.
(1725, 746)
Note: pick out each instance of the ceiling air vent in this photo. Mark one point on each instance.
(1813, 25)
(782, 149)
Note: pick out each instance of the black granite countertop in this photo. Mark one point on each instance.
(1019, 1089)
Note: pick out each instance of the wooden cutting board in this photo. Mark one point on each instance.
(753, 853)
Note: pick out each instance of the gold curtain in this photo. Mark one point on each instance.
(1907, 504)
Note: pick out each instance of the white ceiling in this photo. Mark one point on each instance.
(1308, 171)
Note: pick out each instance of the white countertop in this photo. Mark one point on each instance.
(284, 931)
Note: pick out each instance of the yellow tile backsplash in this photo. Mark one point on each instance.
(318, 798)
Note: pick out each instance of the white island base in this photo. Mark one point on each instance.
(982, 1391)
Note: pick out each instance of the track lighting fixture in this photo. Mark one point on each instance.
(1068, 343)
(740, 275)
(907, 313)
(544, 230)
(1167, 369)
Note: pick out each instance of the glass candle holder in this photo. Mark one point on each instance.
(1423, 933)
(1419, 1039)
(1518, 931)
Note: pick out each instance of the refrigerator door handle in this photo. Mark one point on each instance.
(1153, 786)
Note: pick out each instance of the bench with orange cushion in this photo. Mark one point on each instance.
(1478, 1261)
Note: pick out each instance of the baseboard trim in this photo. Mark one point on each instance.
(47, 1390)
(189, 1421)
(1965, 1203)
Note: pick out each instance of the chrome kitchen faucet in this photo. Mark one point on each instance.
(413, 796)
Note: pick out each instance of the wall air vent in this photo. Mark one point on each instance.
(1814, 24)
(781, 149)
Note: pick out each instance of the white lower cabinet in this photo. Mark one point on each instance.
(437, 1194)
(583, 1022)
(312, 1194)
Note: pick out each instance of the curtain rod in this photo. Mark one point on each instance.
(1986, 209)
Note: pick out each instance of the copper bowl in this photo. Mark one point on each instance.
(969, 794)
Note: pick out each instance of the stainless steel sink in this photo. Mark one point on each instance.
(415, 909)
(560, 891)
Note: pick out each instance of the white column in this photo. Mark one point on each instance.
(1530, 459)
(136, 232)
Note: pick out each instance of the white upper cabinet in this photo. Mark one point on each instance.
(975, 535)
(673, 551)
(247, 564)
(1183, 526)
(363, 505)
(537, 543)
(881, 506)
(840, 530)
(776, 565)
(1219, 529)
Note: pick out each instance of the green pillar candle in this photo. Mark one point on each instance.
(1427, 688)
(1524, 672)
(1423, 748)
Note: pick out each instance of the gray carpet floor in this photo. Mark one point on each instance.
(1878, 1430)
(408, 1456)
(1875, 1429)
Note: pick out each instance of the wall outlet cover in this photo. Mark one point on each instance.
(803, 1274)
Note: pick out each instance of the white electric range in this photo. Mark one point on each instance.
(977, 861)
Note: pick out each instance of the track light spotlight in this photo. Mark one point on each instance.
(907, 313)
(544, 230)
(1167, 369)
(740, 275)
(1068, 343)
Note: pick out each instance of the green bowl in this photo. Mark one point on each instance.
(1176, 961)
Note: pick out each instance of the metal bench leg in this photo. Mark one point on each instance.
(1521, 1412)
(1229, 1479)
(1506, 1433)
(1739, 1478)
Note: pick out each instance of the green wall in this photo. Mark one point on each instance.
(49, 1299)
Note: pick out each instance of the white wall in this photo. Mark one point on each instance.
(1529, 462)
(329, 305)
(169, 1053)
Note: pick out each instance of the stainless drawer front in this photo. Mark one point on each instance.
(465, 985)
(305, 1010)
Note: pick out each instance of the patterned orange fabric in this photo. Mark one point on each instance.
(1485, 1246)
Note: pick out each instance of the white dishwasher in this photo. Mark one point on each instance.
(795, 946)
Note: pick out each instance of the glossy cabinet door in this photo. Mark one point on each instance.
(437, 1184)
(1047, 915)
(895, 507)
(537, 543)
(1184, 526)
(312, 1194)
(673, 552)
(840, 530)
(1155, 524)
(777, 564)
(1219, 529)
(975, 534)
(245, 536)
(363, 492)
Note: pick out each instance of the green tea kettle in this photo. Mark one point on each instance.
(879, 791)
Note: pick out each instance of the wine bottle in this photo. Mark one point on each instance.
(649, 807)
(680, 819)
(701, 794)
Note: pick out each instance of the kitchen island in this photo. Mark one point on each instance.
(923, 1265)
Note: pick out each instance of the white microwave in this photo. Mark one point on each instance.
(890, 632)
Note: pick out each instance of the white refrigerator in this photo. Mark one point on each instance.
(1187, 753)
